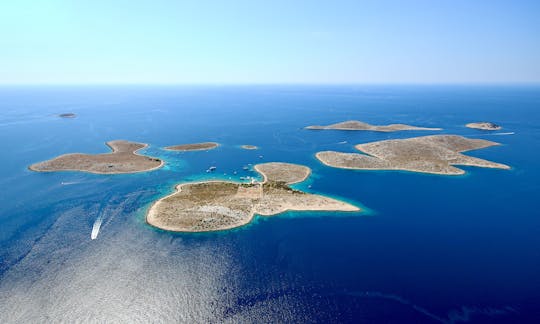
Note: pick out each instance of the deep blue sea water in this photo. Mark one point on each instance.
(427, 249)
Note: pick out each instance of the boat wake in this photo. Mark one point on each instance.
(490, 134)
(63, 183)
(96, 227)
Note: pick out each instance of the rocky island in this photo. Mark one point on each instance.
(122, 159)
(67, 115)
(437, 154)
(249, 147)
(355, 125)
(484, 126)
(193, 147)
(219, 205)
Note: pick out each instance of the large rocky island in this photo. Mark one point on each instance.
(484, 126)
(193, 147)
(355, 125)
(122, 159)
(437, 154)
(219, 205)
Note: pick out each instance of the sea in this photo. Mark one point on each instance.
(75, 247)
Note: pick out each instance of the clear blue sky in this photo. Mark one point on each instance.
(278, 41)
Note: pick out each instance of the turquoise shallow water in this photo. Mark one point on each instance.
(427, 248)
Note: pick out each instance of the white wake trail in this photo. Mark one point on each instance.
(96, 227)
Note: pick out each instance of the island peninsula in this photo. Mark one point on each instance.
(219, 205)
(484, 126)
(355, 125)
(122, 159)
(193, 147)
(436, 154)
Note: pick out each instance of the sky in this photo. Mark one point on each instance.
(267, 42)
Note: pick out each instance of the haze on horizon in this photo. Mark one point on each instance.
(221, 42)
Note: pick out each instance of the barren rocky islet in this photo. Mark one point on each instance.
(193, 146)
(67, 115)
(355, 125)
(484, 126)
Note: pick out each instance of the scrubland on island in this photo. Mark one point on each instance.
(122, 159)
(219, 205)
(437, 154)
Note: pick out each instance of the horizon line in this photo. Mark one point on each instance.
(483, 83)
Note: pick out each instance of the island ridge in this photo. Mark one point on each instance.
(354, 125)
(219, 205)
(435, 154)
(122, 159)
